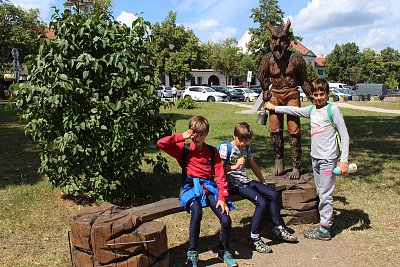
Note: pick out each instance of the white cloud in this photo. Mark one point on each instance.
(42, 5)
(368, 23)
(126, 18)
(211, 29)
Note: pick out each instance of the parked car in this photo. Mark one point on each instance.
(348, 92)
(249, 95)
(233, 94)
(256, 88)
(336, 91)
(164, 91)
(204, 93)
(303, 96)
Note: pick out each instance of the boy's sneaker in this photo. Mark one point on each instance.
(317, 233)
(259, 245)
(226, 256)
(283, 234)
(192, 257)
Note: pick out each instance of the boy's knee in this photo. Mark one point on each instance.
(226, 222)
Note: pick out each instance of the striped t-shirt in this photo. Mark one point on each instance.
(238, 176)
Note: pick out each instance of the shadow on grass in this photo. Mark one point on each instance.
(354, 219)
(19, 157)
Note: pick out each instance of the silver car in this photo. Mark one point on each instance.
(164, 91)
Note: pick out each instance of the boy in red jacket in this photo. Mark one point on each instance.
(205, 184)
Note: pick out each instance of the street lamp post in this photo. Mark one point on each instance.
(15, 54)
(79, 4)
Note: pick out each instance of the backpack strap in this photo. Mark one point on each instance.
(212, 155)
(330, 117)
(185, 153)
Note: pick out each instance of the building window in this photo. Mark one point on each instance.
(199, 80)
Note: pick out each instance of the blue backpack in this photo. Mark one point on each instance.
(330, 118)
(229, 145)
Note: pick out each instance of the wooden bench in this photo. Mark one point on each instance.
(163, 208)
(112, 236)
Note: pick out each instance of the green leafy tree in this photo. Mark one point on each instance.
(391, 61)
(312, 74)
(226, 58)
(340, 61)
(21, 29)
(247, 63)
(90, 103)
(176, 50)
(267, 10)
(372, 68)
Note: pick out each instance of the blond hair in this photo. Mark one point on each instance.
(199, 124)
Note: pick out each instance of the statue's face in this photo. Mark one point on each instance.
(279, 40)
(279, 43)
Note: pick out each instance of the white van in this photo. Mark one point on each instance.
(338, 85)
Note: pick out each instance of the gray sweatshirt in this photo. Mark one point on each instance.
(323, 140)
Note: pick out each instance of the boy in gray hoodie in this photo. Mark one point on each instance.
(326, 124)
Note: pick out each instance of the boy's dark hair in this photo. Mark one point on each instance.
(243, 131)
(320, 85)
(199, 124)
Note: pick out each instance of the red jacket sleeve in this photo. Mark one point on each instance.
(220, 177)
(173, 145)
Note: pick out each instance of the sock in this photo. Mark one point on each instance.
(254, 236)
(323, 230)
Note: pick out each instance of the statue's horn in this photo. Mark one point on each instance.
(287, 26)
(270, 27)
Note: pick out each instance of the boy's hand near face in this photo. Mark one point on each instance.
(269, 106)
(189, 134)
(224, 207)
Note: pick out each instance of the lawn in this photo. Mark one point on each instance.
(375, 104)
(35, 218)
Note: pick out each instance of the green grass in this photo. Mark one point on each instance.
(374, 104)
(35, 218)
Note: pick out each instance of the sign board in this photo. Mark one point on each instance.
(8, 76)
(249, 73)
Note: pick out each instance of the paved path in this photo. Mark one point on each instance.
(340, 104)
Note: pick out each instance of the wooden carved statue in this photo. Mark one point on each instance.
(285, 70)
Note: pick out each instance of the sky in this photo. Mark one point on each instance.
(371, 24)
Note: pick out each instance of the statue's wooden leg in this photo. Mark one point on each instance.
(295, 149)
(277, 144)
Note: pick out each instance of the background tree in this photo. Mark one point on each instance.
(312, 74)
(247, 63)
(91, 104)
(391, 62)
(267, 10)
(226, 58)
(176, 50)
(372, 69)
(21, 29)
(340, 61)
